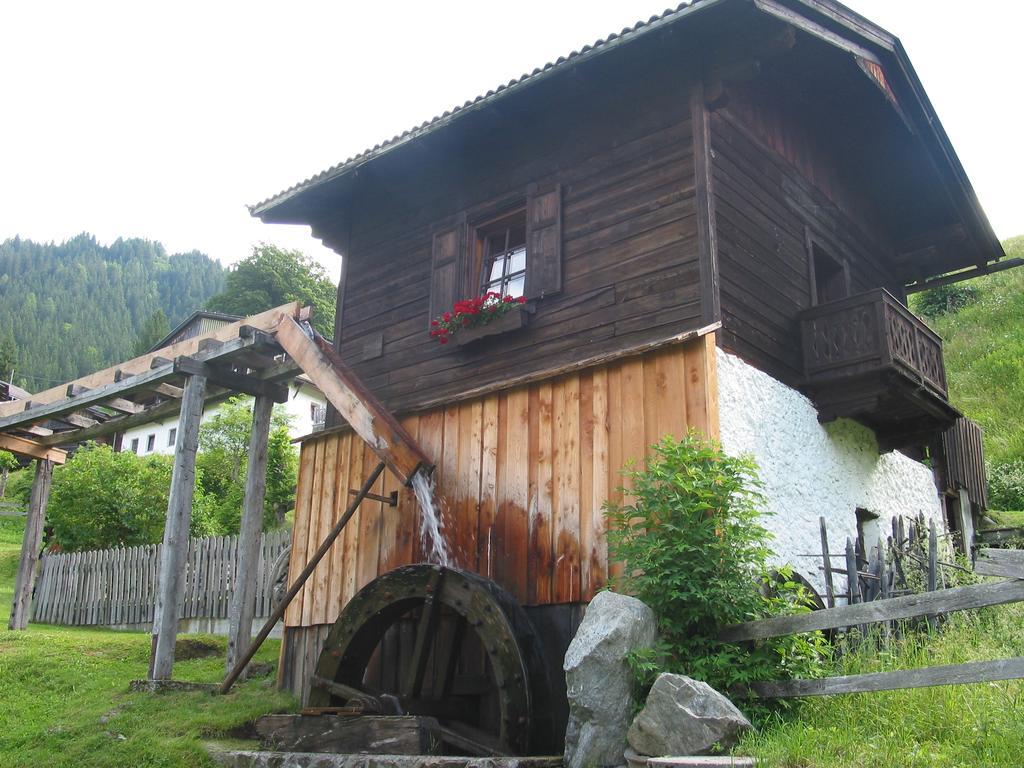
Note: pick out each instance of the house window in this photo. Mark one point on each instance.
(501, 253)
(830, 278)
(150, 443)
(135, 445)
(172, 436)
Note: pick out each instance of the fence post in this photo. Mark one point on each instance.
(179, 515)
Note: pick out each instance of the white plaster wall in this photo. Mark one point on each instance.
(810, 469)
(301, 398)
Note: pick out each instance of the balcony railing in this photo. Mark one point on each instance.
(868, 357)
(867, 332)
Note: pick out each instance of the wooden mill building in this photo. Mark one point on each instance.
(716, 217)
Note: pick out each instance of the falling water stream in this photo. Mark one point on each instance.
(431, 536)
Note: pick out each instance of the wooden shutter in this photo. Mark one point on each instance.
(543, 241)
(446, 277)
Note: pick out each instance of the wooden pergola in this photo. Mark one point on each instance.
(253, 356)
(243, 357)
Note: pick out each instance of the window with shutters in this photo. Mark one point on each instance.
(514, 252)
(501, 255)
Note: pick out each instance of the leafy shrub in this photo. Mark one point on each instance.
(1006, 485)
(695, 552)
(945, 299)
(103, 499)
(223, 459)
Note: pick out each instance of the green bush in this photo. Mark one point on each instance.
(695, 552)
(223, 459)
(103, 499)
(1006, 485)
(944, 300)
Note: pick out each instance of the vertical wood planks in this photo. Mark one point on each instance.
(522, 477)
(300, 529)
(514, 494)
(566, 490)
(488, 487)
(342, 498)
(539, 559)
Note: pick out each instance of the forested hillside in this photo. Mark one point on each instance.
(68, 309)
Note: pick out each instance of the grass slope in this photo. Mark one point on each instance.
(64, 698)
(943, 727)
(984, 344)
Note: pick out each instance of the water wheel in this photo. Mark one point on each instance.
(444, 643)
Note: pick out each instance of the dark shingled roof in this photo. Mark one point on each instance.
(435, 122)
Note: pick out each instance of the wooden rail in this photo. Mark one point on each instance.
(925, 677)
(115, 587)
(891, 609)
(991, 562)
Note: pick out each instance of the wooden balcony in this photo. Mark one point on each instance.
(867, 357)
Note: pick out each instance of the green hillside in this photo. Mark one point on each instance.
(69, 309)
(984, 342)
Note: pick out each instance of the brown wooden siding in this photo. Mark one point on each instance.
(770, 190)
(629, 252)
(522, 475)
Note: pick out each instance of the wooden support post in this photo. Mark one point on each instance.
(933, 566)
(30, 543)
(830, 591)
(243, 597)
(171, 584)
(966, 523)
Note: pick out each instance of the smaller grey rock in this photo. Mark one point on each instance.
(683, 716)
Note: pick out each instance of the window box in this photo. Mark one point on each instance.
(510, 321)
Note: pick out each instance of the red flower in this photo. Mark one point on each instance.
(520, 300)
(446, 316)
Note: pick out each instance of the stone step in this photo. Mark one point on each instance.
(241, 758)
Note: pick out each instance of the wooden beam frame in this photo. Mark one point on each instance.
(112, 394)
(248, 385)
(32, 449)
(265, 321)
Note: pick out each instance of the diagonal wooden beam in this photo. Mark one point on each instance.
(378, 428)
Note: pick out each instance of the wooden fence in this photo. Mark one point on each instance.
(885, 609)
(116, 587)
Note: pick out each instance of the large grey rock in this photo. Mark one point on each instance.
(599, 682)
(683, 716)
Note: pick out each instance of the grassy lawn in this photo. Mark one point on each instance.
(64, 698)
(943, 727)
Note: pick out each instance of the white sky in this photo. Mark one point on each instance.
(163, 120)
